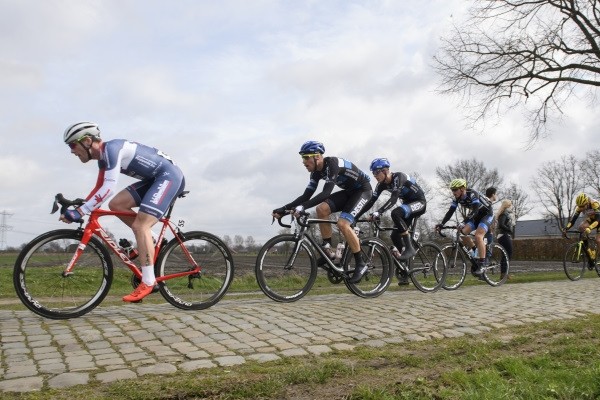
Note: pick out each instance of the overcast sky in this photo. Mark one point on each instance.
(230, 90)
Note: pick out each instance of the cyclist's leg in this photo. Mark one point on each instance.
(357, 199)
(157, 199)
(403, 217)
(323, 212)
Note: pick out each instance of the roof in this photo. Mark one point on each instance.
(537, 228)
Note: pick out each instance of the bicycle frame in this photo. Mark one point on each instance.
(93, 227)
(457, 243)
(302, 235)
(377, 229)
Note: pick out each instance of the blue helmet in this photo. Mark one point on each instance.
(312, 147)
(379, 163)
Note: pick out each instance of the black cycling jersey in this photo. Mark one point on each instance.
(336, 172)
(401, 187)
(474, 201)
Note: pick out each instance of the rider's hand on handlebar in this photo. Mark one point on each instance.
(278, 212)
(374, 216)
(72, 216)
(298, 211)
(439, 227)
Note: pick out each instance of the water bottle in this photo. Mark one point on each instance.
(338, 251)
(395, 251)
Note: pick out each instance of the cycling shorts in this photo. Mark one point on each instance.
(155, 195)
(349, 202)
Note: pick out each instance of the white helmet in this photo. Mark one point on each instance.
(81, 129)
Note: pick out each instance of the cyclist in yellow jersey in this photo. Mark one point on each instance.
(591, 209)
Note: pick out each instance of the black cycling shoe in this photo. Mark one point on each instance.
(359, 272)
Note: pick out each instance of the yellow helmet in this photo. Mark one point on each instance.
(458, 183)
(581, 200)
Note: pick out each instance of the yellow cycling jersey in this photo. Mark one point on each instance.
(591, 211)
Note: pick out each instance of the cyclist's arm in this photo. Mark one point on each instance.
(572, 221)
(390, 202)
(449, 214)
(99, 195)
(108, 175)
(327, 189)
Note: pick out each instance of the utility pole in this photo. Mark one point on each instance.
(4, 227)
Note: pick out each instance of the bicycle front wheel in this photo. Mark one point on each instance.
(496, 272)
(379, 261)
(43, 288)
(456, 267)
(428, 268)
(285, 268)
(574, 261)
(202, 289)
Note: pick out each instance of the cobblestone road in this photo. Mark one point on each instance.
(123, 342)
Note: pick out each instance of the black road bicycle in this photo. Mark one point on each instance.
(426, 269)
(287, 265)
(459, 258)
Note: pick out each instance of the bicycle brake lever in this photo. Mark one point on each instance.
(54, 207)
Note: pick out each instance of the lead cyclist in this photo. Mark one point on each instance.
(160, 182)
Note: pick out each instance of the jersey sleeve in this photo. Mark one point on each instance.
(108, 177)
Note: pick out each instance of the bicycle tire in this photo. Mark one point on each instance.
(379, 275)
(285, 268)
(201, 290)
(456, 267)
(38, 275)
(492, 273)
(574, 262)
(427, 269)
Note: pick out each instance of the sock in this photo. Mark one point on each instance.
(148, 275)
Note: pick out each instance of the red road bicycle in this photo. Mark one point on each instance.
(66, 273)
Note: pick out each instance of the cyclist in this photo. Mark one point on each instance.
(356, 192)
(402, 187)
(160, 182)
(591, 209)
(479, 219)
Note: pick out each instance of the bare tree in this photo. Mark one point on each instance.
(530, 53)
(556, 185)
(519, 198)
(473, 171)
(590, 171)
(238, 242)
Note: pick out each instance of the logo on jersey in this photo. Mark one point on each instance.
(358, 207)
(160, 193)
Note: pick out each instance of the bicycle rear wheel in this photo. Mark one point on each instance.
(574, 262)
(199, 290)
(493, 273)
(379, 275)
(428, 268)
(456, 267)
(41, 286)
(285, 268)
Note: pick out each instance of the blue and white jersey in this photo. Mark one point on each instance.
(120, 156)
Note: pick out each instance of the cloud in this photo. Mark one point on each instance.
(230, 90)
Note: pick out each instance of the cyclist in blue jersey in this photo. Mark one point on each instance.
(479, 219)
(402, 187)
(350, 201)
(160, 182)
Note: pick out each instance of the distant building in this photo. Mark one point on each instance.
(538, 229)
